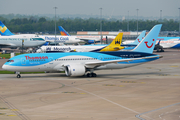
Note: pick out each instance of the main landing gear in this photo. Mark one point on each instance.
(18, 75)
(91, 75)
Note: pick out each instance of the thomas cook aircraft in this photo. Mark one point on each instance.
(80, 63)
(48, 38)
(114, 46)
(89, 39)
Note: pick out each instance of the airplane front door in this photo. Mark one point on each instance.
(49, 65)
(23, 61)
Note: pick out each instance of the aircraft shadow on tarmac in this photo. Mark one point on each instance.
(100, 75)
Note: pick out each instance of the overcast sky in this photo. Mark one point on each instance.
(147, 8)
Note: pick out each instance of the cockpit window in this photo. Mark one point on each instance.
(37, 39)
(10, 61)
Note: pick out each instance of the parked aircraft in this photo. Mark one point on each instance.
(15, 41)
(9, 40)
(79, 63)
(169, 42)
(162, 42)
(48, 38)
(90, 39)
(114, 46)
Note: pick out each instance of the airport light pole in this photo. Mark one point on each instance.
(55, 24)
(179, 21)
(160, 15)
(128, 22)
(22, 45)
(137, 21)
(101, 23)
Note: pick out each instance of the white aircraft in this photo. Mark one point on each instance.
(48, 38)
(86, 38)
(59, 38)
(114, 46)
(15, 41)
(79, 63)
(169, 42)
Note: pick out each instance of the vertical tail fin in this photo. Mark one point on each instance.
(62, 31)
(148, 43)
(4, 30)
(139, 38)
(115, 44)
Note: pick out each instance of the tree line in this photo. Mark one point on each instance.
(34, 24)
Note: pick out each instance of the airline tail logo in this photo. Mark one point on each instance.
(138, 40)
(63, 33)
(148, 45)
(3, 29)
(117, 42)
(48, 49)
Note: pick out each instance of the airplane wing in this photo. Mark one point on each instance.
(99, 63)
(87, 39)
(5, 45)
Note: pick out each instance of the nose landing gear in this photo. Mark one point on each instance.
(18, 75)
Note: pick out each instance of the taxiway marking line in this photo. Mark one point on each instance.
(107, 100)
(138, 116)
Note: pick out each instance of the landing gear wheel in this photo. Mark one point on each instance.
(91, 75)
(162, 50)
(18, 76)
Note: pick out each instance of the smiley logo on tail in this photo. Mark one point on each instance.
(148, 45)
(138, 40)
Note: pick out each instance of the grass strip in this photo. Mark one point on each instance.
(10, 72)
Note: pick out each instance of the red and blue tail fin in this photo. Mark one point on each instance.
(63, 32)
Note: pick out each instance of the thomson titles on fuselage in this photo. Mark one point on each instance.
(36, 58)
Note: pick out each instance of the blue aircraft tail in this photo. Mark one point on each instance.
(4, 30)
(139, 38)
(63, 31)
(148, 43)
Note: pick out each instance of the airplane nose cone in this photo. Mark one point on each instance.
(4, 67)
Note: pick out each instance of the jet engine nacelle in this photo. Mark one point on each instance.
(75, 70)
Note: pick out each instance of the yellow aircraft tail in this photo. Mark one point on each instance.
(115, 44)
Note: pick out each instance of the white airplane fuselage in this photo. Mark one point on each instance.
(70, 48)
(72, 39)
(19, 40)
(60, 39)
